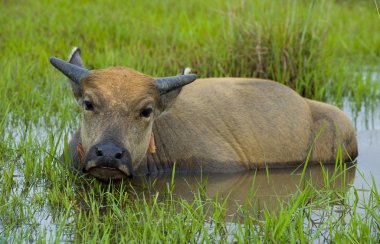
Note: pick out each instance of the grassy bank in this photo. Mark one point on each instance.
(320, 49)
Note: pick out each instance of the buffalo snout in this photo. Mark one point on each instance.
(108, 160)
(109, 150)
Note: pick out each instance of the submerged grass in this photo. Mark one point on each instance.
(319, 48)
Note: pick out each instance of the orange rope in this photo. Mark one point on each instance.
(152, 145)
(80, 150)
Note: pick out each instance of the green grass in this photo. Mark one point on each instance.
(319, 48)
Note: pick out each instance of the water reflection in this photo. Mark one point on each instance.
(369, 158)
(367, 124)
(267, 188)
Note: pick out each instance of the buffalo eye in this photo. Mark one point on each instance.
(146, 112)
(88, 105)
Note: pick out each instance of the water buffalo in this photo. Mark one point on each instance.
(134, 124)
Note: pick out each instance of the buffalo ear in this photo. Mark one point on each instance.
(76, 59)
(170, 87)
(167, 99)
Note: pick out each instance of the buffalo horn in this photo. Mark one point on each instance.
(167, 84)
(73, 72)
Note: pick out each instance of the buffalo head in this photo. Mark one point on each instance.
(119, 108)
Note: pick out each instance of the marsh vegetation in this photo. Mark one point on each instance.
(325, 50)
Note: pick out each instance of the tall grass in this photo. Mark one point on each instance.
(309, 45)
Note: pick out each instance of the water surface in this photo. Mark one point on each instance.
(367, 124)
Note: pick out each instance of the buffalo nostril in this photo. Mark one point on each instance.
(108, 150)
(99, 152)
(118, 155)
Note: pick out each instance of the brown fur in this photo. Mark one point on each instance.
(234, 124)
(120, 85)
(331, 130)
(213, 125)
(118, 95)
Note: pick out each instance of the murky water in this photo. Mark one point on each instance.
(268, 187)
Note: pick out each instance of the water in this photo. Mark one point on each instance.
(367, 124)
(269, 187)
